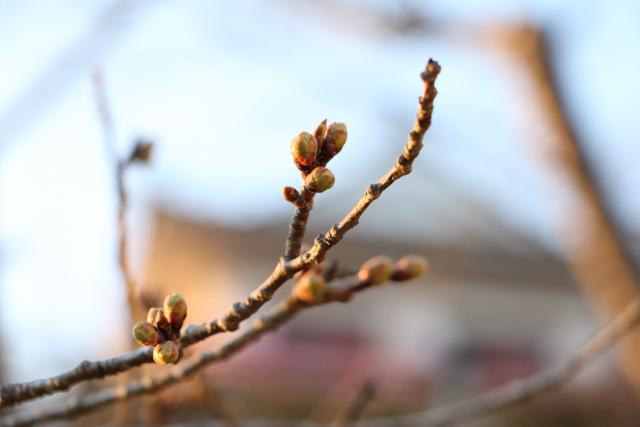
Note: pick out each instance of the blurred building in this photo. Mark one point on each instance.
(486, 313)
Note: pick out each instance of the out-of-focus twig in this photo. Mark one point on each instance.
(283, 271)
(213, 403)
(140, 153)
(589, 236)
(105, 30)
(520, 391)
(120, 166)
(355, 408)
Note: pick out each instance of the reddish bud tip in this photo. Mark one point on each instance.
(166, 353)
(304, 150)
(310, 288)
(320, 179)
(409, 267)
(145, 333)
(320, 133)
(157, 317)
(290, 194)
(376, 270)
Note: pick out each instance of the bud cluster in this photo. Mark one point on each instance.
(312, 152)
(381, 269)
(161, 330)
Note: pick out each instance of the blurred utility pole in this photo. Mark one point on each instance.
(589, 236)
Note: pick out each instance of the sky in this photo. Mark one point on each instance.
(222, 87)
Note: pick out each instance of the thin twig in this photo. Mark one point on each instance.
(152, 383)
(284, 270)
(523, 390)
(120, 166)
(357, 405)
(123, 257)
(298, 224)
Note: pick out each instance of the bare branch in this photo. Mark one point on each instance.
(590, 238)
(356, 407)
(500, 398)
(298, 224)
(158, 381)
(120, 167)
(521, 391)
(284, 270)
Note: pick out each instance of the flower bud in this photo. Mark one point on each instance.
(334, 140)
(320, 132)
(376, 270)
(141, 151)
(320, 179)
(409, 267)
(157, 317)
(145, 333)
(175, 308)
(166, 353)
(310, 288)
(290, 194)
(304, 149)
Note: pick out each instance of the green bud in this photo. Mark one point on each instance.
(304, 149)
(175, 308)
(409, 267)
(157, 317)
(310, 288)
(335, 139)
(166, 353)
(320, 179)
(376, 270)
(145, 333)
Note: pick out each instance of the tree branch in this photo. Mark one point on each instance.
(500, 398)
(120, 167)
(357, 405)
(148, 384)
(590, 238)
(298, 224)
(521, 391)
(284, 270)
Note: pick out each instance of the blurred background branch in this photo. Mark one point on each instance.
(521, 391)
(588, 232)
(357, 405)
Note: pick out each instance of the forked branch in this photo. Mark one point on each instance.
(158, 381)
(284, 270)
